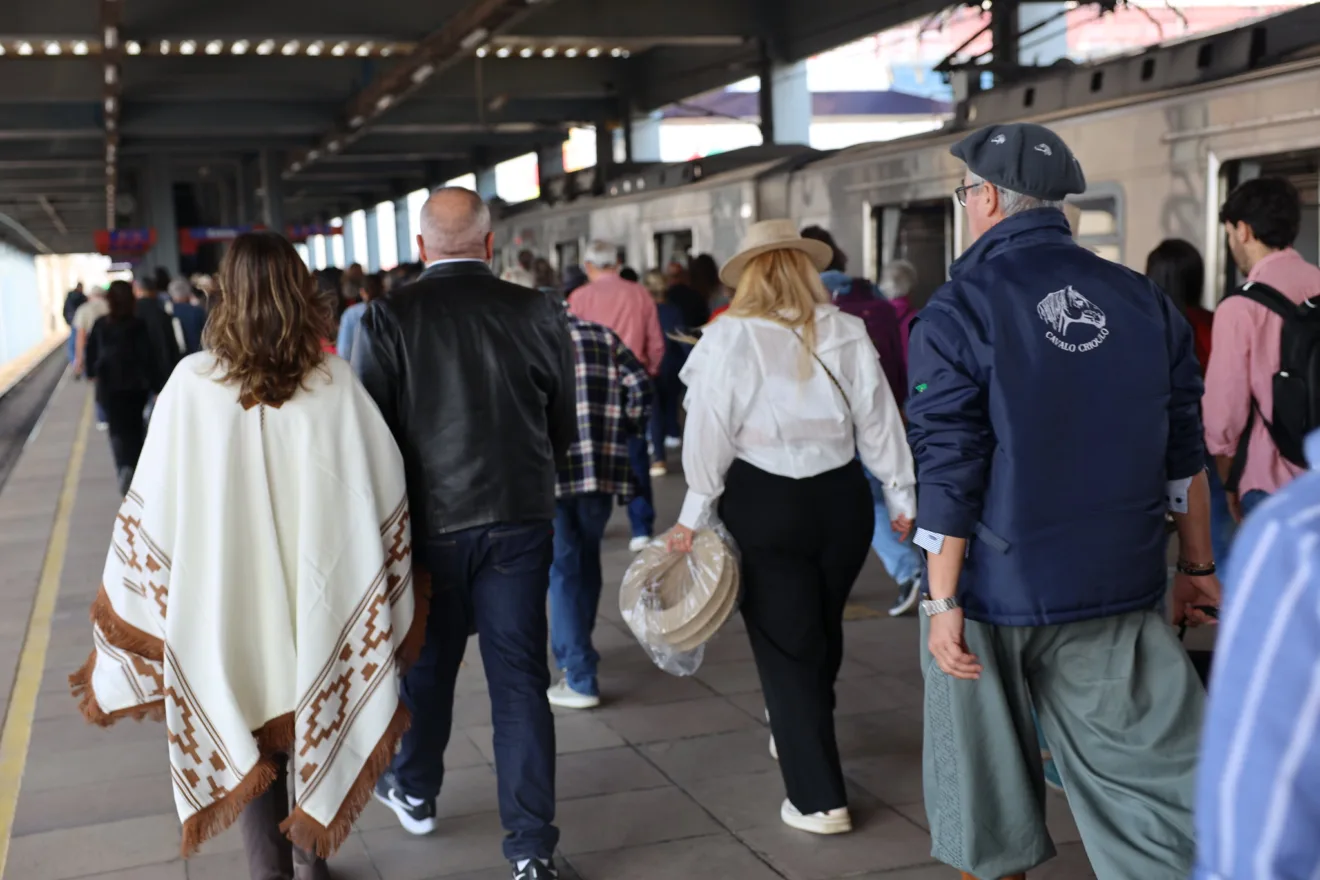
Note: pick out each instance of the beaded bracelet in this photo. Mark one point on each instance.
(1195, 569)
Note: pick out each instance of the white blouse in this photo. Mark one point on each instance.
(756, 393)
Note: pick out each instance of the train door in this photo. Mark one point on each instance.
(673, 247)
(1302, 169)
(569, 254)
(921, 233)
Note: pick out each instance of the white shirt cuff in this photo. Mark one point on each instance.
(696, 510)
(1175, 492)
(929, 541)
(900, 501)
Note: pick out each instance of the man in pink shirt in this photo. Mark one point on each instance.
(1261, 218)
(628, 309)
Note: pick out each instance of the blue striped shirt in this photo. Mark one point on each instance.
(1258, 807)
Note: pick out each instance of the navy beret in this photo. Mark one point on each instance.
(1023, 157)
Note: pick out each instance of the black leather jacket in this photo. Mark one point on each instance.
(475, 378)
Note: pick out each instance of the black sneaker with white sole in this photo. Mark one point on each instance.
(534, 869)
(417, 816)
(908, 594)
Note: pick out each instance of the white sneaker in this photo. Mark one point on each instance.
(673, 442)
(638, 544)
(659, 469)
(103, 426)
(565, 697)
(834, 822)
(774, 750)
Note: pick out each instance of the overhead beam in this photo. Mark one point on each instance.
(443, 48)
(54, 215)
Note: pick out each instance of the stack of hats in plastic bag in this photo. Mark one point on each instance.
(675, 602)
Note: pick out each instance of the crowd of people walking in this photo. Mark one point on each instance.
(1012, 450)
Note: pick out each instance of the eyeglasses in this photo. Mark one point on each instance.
(961, 192)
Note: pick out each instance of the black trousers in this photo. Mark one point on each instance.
(803, 543)
(127, 427)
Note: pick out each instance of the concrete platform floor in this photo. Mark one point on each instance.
(669, 780)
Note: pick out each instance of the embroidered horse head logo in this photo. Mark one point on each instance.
(1044, 148)
(998, 139)
(1063, 308)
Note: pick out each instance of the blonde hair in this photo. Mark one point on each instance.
(655, 281)
(781, 286)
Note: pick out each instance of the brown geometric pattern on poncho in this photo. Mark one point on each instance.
(363, 659)
(203, 769)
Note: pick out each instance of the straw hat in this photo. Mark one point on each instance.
(773, 235)
(680, 602)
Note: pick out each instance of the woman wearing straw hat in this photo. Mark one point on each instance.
(785, 392)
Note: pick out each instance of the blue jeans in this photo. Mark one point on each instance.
(1252, 500)
(1222, 526)
(664, 413)
(575, 584)
(73, 345)
(641, 510)
(900, 558)
(491, 579)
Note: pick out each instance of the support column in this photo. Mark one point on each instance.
(604, 151)
(373, 241)
(550, 161)
(403, 225)
(1005, 29)
(486, 183)
(644, 142)
(351, 255)
(160, 191)
(785, 103)
(272, 189)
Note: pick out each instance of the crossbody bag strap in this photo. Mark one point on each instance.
(828, 371)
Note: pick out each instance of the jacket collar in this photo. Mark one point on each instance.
(1037, 226)
(457, 267)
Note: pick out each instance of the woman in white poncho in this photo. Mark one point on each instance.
(258, 593)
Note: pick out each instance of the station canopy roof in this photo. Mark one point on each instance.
(360, 101)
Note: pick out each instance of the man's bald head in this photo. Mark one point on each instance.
(455, 224)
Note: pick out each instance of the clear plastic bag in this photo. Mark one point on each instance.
(675, 602)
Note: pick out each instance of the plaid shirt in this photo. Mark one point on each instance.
(613, 403)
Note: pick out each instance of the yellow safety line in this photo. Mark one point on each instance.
(23, 701)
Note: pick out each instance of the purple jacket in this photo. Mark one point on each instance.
(907, 313)
(882, 323)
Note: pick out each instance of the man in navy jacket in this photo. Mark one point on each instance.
(1054, 418)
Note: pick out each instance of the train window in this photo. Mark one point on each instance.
(1097, 80)
(1259, 45)
(920, 233)
(1148, 70)
(1029, 96)
(568, 253)
(1205, 56)
(1098, 221)
(673, 247)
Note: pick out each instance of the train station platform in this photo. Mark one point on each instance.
(670, 779)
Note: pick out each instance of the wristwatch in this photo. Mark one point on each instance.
(931, 607)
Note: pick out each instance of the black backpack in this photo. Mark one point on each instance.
(1297, 384)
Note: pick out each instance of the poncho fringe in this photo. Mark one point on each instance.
(274, 739)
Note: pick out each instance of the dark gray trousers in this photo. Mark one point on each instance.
(270, 855)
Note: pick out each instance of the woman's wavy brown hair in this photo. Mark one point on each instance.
(267, 326)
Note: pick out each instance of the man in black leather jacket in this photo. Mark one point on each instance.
(474, 376)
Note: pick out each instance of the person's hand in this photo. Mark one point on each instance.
(902, 527)
(1234, 506)
(679, 539)
(1190, 591)
(947, 645)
